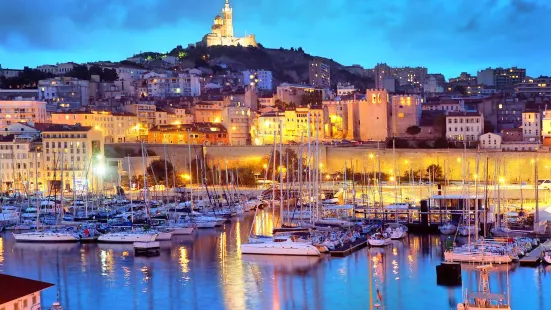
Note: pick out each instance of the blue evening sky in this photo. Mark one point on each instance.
(447, 36)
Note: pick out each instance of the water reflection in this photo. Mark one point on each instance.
(206, 270)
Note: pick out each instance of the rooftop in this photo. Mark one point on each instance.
(463, 114)
(60, 127)
(16, 287)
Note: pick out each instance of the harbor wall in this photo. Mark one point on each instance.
(512, 167)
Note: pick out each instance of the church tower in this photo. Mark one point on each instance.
(228, 20)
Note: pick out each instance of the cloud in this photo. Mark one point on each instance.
(446, 36)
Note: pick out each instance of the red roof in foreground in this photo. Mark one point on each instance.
(16, 287)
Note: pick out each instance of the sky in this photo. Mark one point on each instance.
(446, 36)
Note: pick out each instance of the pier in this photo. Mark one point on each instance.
(534, 257)
(349, 248)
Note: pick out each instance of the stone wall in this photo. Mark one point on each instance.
(508, 165)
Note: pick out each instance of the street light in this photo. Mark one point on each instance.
(185, 176)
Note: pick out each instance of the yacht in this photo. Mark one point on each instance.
(466, 230)
(127, 237)
(45, 236)
(447, 228)
(379, 239)
(396, 230)
(179, 228)
(484, 299)
(280, 246)
(477, 255)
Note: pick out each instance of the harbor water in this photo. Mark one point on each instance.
(207, 271)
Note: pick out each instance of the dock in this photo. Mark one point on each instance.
(147, 248)
(349, 248)
(534, 257)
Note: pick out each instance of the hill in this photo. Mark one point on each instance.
(287, 65)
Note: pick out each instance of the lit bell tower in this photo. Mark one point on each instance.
(228, 19)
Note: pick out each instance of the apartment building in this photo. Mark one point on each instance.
(20, 111)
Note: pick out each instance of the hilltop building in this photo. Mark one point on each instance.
(222, 31)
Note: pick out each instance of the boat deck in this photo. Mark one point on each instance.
(349, 248)
(534, 257)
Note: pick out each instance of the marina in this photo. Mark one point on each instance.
(188, 264)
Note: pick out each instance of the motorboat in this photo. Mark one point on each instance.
(447, 228)
(396, 230)
(379, 239)
(45, 236)
(484, 299)
(280, 246)
(163, 235)
(179, 228)
(466, 230)
(128, 237)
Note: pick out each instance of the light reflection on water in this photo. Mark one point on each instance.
(207, 271)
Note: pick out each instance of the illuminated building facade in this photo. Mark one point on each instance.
(19, 111)
(222, 31)
(197, 133)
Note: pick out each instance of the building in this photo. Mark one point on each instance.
(19, 94)
(490, 141)
(335, 114)
(262, 79)
(9, 73)
(20, 111)
(17, 164)
(66, 92)
(485, 77)
(368, 118)
(197, 133)
(531, 125)
(19, 129)
(344, 89)
(319, 74)
(146, 113)
(464, 79)
(268, 128)
(464, 126)
(409, 75)
(509, 113)
(294, 93)
(59, 69)
(163, 85)
(405, 112)
(508, 77)
(222, 31)
(236, 119)
(521, 146)
(511, 134)
(444, 104)
(266, 100)
(299, 122)
(546, 126)
(73, 157)
(115, 127)
(381, 71)
(432, 86)
(206, 112)
(20, 293)
(540, 86)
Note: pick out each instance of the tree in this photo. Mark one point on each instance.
(156, 173)
(441, 143)
(434, 172)
(413, 130)
(460, 89)
(300, 50)
(80, 72)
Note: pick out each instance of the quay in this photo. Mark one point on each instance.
(534, 257)
(147, 248)
(349, 248)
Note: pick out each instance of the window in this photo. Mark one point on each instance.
(25, 303)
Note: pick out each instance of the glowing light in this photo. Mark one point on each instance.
(327, 177)
(501, 180)
(371, 156)
(185, 176)
(265, 166)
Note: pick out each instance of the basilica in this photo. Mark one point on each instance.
(222, 31)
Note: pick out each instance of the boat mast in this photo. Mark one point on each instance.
(281, 172)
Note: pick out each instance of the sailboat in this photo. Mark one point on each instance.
(133, 236)
(45, 236)
(484, 298)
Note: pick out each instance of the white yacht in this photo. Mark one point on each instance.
(127, 237)
(45, 236)
(396, 230)
(179, 228)
(379, 239)
(280, 246)
(466, 230)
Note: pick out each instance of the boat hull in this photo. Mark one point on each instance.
(126, 238)
(44, 237)
(476, 258)
(379, 242)
(280, 248)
